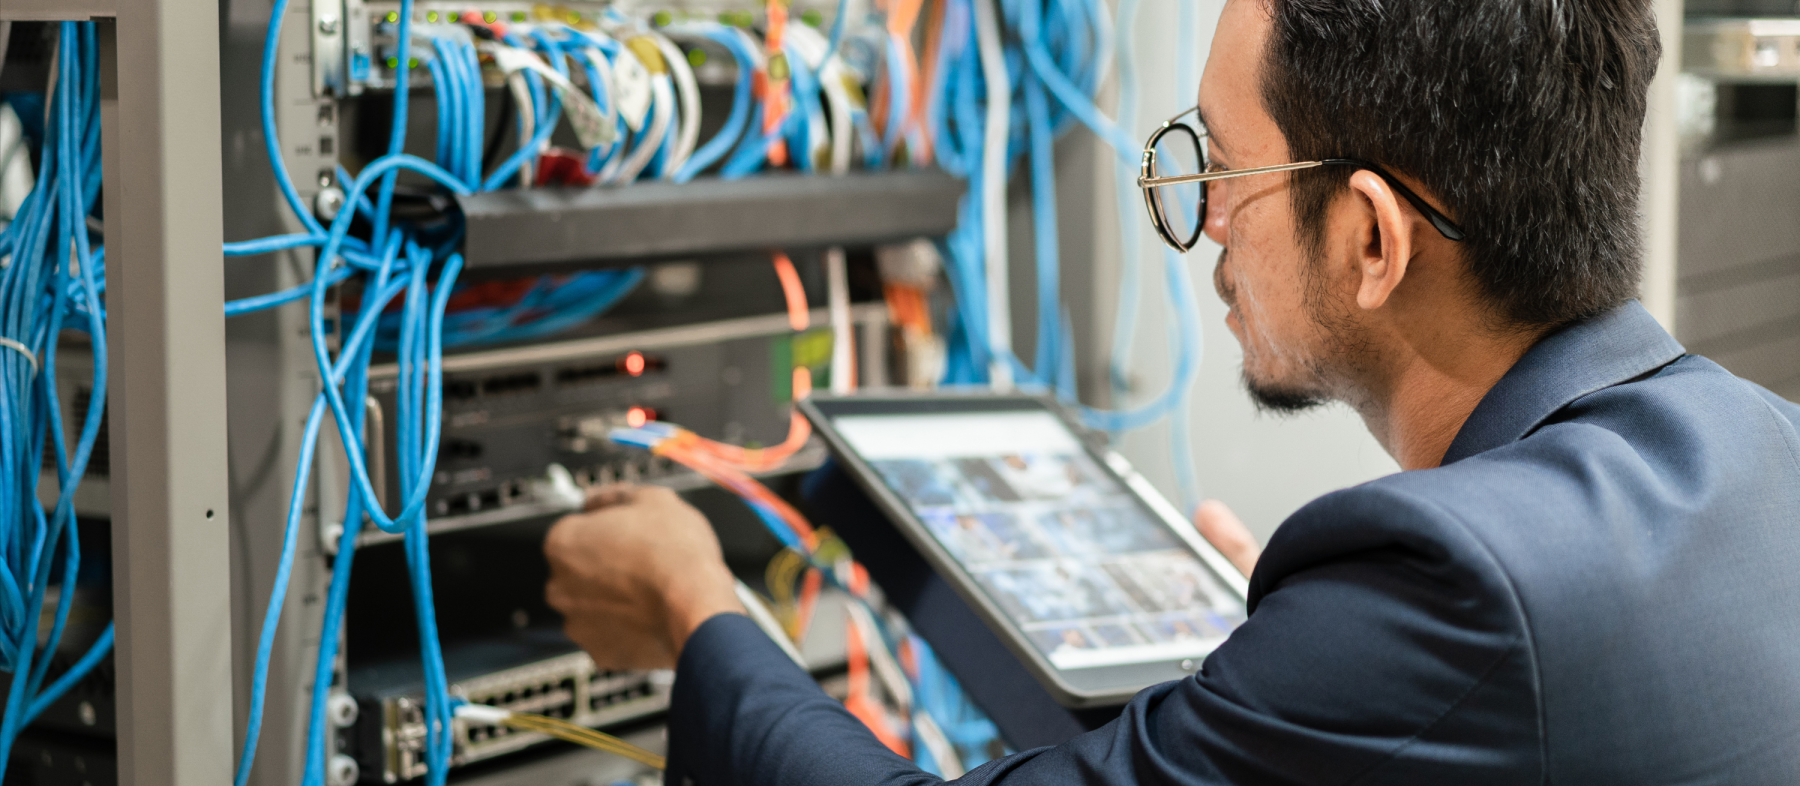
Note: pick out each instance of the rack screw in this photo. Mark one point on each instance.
(328, 202)
(328, 25)
(342, 771)
(341, 709)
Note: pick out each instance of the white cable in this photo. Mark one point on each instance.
(759, 614)
(558, 490)
(527, 114)
(661, 114)
(843, 335)
(482, 715)
(933, 738)
(993, 191)
(603, 69)
(20, 348)
(813, 46)
(687, 134)
(881, 660)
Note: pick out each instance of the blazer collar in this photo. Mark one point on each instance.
(1614, 347)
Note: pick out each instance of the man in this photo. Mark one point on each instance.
(1589, 572)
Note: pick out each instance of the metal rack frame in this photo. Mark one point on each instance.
(166, 331)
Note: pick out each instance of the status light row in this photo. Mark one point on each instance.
(812, 17)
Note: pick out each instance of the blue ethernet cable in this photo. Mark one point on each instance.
(445, 99)
(271, 138)
(899, 91)
(296, 510)
(806, 95)
(1130, 236)
(836, 37)
(356, 385)
(402, 97)
(728, 134)
(37, 293)
(504, 173)
(475, 110)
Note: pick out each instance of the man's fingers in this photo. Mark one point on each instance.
(609, 495)
(1222, 528)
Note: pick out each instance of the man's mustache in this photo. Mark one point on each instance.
(1227, 291)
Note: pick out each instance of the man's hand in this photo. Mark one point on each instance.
(635, 575)
(1221, 528)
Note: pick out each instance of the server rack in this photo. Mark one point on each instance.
(204, 416)
(169, 498)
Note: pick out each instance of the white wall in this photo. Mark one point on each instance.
(1264, 467)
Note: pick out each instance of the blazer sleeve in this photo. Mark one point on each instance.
(1380, 655)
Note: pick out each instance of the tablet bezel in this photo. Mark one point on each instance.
(1086, 687)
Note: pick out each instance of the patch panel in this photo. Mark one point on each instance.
(568, 687)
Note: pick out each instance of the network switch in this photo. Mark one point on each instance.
(509, 413)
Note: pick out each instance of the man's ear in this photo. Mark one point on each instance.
(1381, 262)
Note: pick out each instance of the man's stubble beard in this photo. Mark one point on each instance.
(1278, 398)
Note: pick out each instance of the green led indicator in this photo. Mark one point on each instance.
(393, 16)
(490, 17)
(746, 19)
(412, 62)
(812, 18)
(393, 62)
(662, 18)
(696, 57)
(451, 17)
(431, 16)
(520, 16)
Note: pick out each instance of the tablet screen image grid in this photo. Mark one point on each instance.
(1066, 552)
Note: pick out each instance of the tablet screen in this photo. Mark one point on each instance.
(1070, 554)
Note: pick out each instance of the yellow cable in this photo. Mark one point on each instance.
(582, 735)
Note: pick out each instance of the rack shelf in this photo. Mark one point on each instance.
(646, 221)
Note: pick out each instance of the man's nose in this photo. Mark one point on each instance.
(1214, 220)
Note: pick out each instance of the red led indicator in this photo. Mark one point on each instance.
(636, 417)
(634, 364)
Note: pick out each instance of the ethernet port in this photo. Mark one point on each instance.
(503, 384)
(490, 499)
(460, 389)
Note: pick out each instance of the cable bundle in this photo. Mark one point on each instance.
(52, 281)
(395, 263)
(928, 691)
(1005, 85)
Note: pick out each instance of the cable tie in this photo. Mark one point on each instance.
(30, 356)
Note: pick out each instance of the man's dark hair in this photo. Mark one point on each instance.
(1523, 118)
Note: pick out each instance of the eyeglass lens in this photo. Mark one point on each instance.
(1180, 206)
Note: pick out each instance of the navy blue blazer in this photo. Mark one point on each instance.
(1601, 585)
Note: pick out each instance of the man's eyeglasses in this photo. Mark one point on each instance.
(1175, 177)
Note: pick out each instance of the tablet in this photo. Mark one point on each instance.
(1093, 580)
